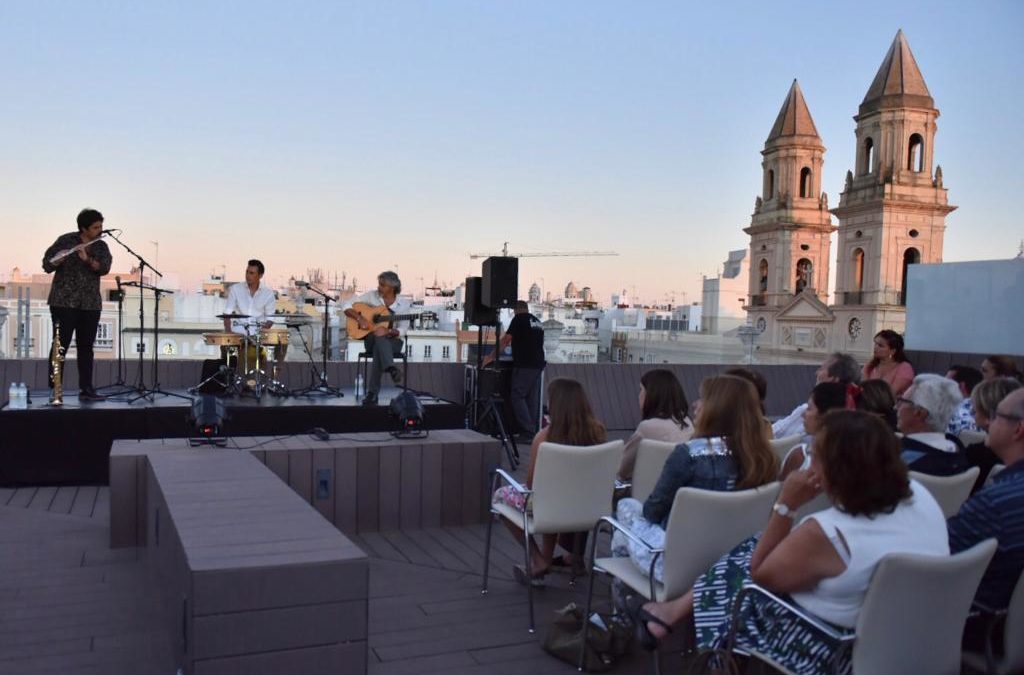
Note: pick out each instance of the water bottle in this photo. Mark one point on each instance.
(359, 385)
(22, 396)
(12, 397)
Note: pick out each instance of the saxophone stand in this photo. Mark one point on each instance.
(151, 394)
(120, 386)
(321, 388)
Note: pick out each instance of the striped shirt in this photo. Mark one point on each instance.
(996, 511)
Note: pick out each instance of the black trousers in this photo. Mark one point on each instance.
(83, 323)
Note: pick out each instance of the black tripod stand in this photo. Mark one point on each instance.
(490, 408)
(318, 381)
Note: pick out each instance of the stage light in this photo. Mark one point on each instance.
(408, 413)
(207, 420)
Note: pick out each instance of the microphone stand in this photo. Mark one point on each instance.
(321, 388)
(150, 394)
(139, 388)
(122, 386)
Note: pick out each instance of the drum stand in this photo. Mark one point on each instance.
(256, 379)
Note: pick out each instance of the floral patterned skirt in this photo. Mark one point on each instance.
(763, 626)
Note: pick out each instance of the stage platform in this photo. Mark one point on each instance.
(70, 445)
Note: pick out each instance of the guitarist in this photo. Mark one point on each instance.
(383, 342)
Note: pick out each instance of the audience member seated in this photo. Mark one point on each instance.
(985, 397)
(729, 451)
(664, 411)
(922, 415)
(572, 422)
(1000, 365)
(761, 386)
(824, 397)
(967, 378)
(825, 562)
(997, 511)
(838, 367)
(876, 398)
(889, 363)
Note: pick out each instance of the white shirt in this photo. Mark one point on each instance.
(258, 305)
(915, 526)
(373, 298)
(791, 425)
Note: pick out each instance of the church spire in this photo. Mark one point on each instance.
(794, 118)
(898, 83)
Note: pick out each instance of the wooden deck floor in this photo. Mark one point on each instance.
(70, 604)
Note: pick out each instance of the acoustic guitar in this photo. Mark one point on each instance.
(373, 315)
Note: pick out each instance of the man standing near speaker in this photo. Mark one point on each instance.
(525, 335)
(383, 341)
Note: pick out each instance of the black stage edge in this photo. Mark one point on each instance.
(71, 445)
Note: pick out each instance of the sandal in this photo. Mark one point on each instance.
(635, 610)
(520, 575)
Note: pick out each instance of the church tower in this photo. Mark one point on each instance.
(892, 211)
(790, 228)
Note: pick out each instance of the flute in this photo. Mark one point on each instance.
(64, 254)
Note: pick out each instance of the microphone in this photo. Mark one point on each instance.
(118, 280)
(301, 284)
(109, 231)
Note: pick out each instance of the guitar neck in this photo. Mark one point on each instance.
(382, 318)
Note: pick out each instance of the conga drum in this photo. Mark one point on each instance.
(228, 343)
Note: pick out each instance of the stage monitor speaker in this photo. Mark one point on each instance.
(475, 311)
(500, 281)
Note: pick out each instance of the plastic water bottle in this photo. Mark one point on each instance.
(12, 396)
(359, 385)
(23, 392)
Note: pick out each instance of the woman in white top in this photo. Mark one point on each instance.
(664, 409)
(824, 397)
(826, 561)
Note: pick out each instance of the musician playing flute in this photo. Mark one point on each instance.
(75, 300)
(383, 342)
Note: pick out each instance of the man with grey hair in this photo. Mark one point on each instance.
(838, 367)
(382, 342)
(922, 414)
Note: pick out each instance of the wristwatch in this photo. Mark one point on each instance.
(783, 510)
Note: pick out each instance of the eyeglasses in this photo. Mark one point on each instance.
(906, 401)
(1010, 418)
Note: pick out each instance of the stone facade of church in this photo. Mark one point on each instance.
(891, 214)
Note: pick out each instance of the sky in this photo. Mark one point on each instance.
(360, 136)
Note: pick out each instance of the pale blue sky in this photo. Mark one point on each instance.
(358, 136)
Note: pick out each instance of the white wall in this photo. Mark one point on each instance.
(971, 307)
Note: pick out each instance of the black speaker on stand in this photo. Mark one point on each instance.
(478, 313)
(500, 287)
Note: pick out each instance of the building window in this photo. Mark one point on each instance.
(910, 257)
(868, 156)
(104, 335)
(915, 154)
(446, 352)
(858, 269)
(805, 182)
(804, 270)
(769, 187)
(426, 351)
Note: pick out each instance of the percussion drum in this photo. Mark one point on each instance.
(222, 339)
(275, 336)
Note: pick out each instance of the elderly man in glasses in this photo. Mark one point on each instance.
(923, 414)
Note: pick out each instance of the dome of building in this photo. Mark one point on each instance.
(571, 291)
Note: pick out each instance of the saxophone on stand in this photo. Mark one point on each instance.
(57, 367)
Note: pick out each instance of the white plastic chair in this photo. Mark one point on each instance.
(782, 446)
(912, 618)
(702, 526)
(650, 460)
(949, 491)
(1013, 637)
(995, 471)
(572, 488)
(970, 437)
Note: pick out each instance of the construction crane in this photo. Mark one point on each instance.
(544, 254)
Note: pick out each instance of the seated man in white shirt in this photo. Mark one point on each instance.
(383, 340)
(838, 367)
(251, 297)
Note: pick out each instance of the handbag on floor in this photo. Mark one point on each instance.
(608, 637)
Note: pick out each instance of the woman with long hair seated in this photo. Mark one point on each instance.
(729, 451)
(889, 362)
(572, 422)
(664, 411)
(876, 397)
(825, 562)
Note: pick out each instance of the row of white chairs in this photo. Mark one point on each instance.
(573, 489)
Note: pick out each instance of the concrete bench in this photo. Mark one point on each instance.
(254, 581)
